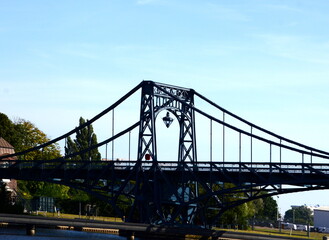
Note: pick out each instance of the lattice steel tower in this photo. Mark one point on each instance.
(156, 98)
(156, 199)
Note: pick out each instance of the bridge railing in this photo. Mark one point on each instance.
(172, 166)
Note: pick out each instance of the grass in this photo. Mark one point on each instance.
(74, 216)
(284, 233)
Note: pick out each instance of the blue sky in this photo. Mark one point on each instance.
(266, 61)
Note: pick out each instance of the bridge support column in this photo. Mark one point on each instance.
(30, 229)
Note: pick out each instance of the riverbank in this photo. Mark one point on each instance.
(53, 234)
(283, 234)
(111, 225)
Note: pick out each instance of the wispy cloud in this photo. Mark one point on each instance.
(79, 50)
(82, 50)
(302, 48)
(282, 7)
(227, 12)
(144, 2)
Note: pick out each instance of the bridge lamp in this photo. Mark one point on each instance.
(147, 157)
(167, 120)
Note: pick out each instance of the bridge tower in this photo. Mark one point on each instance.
(155, 199)
(159, 97)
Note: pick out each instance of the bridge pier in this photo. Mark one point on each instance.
(30, 229)
(131, 236)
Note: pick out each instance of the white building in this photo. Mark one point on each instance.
(321, 217)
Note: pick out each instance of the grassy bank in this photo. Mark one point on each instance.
(74, 216)
(283, 233)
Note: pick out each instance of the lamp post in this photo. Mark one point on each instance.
(278, 215)
(167, 120)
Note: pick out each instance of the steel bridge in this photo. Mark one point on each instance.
(246, 162)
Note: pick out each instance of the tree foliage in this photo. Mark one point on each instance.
(31, 189)
(30, 136)
(268, 214)
(23, 135)
(7, 130)
(299, 215)
(78, 195)
(262, 210)
(85, 138)
(240, 215)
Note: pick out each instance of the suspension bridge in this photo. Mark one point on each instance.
(246, 162)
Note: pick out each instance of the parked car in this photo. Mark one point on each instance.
(323, 230)
(289, 226)
(302, 227)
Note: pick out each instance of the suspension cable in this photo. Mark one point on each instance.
(87, 123)
(260, 128)
(319, 154)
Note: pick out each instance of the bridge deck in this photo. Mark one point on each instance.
(264, 173)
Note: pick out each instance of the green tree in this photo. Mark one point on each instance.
(85, 138)
(31, 189)
(299, 215)
(240, 215)
(23, 135)
(8, 130)
(29, 136)
(269, 212)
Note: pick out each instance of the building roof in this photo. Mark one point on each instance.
(324, 208)
(6, 148)
(5, 144)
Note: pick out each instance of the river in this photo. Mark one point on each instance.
(53, 234)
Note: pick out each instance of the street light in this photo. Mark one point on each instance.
(278, 215)
(167, 120)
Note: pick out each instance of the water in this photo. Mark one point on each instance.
(53, 234)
